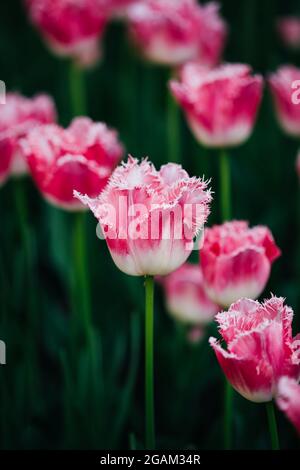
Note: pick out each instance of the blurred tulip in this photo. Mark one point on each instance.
(287, 98)
(81, 157)
(260, 347)
(18, 116)
(288, 399)
(150, 217)
(171, 32)
(236, 261)
(186, 299)
(289, 30)
(196, 334)
(117, 8)
(220, 104)
(71, 28)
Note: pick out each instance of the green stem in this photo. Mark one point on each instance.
(82, 301)
(225, 183)
(228, 416)
(77, 90)
(173, 130)
(149, 382)
(225, 197)
(31, 291)
(22, 214)
(272, 425)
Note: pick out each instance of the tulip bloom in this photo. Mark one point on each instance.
(260, 347)
(81, 158)
(150, 217)
(288, 399)
(236, 261)
(171, 32)
(117, 8)
(286, 95)
(220, 104)
(71, 28)
(186, 299)
(289, 30)
(18, 116)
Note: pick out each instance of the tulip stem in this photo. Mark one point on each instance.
(149, 382)
(228, 416)
(81, 278)
(225, 183)
(272, 425)
(29, 281)
(22, 214)
(173, 130)
(225, 197)
(77, 90)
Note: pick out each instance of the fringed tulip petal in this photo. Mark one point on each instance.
(186, 299)
(220, 104)
(288, 400)
(18, 116)
(150, 217)
(260, 347)
(236, 261)
(288, 109)
(80, 158)
(172, 32)
(71, 28)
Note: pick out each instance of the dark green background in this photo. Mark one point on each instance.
(132, 96)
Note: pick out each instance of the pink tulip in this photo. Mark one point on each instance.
(286, 95)
(220, 104)
(196, 334)
(150, 217)
(236, 261)
(186, 299)
(71, 28)
(172, 32)
(18, 116)
(288, 398)
(260, 347)
(81, 158)
(117, 8)
(289, 31)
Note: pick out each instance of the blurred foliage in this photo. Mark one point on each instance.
(45, 403)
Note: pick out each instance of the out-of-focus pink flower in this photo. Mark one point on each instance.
(71, 28)
(172, 32)
(220, 104)
(150, 217)
(186, 299)
(285, 85)
(118, 8)
(289, 30)
(288, 399)
(213, 35)
(260, 347)
(17, 117)
(196, 334)
(80, 158)
(236, 261)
